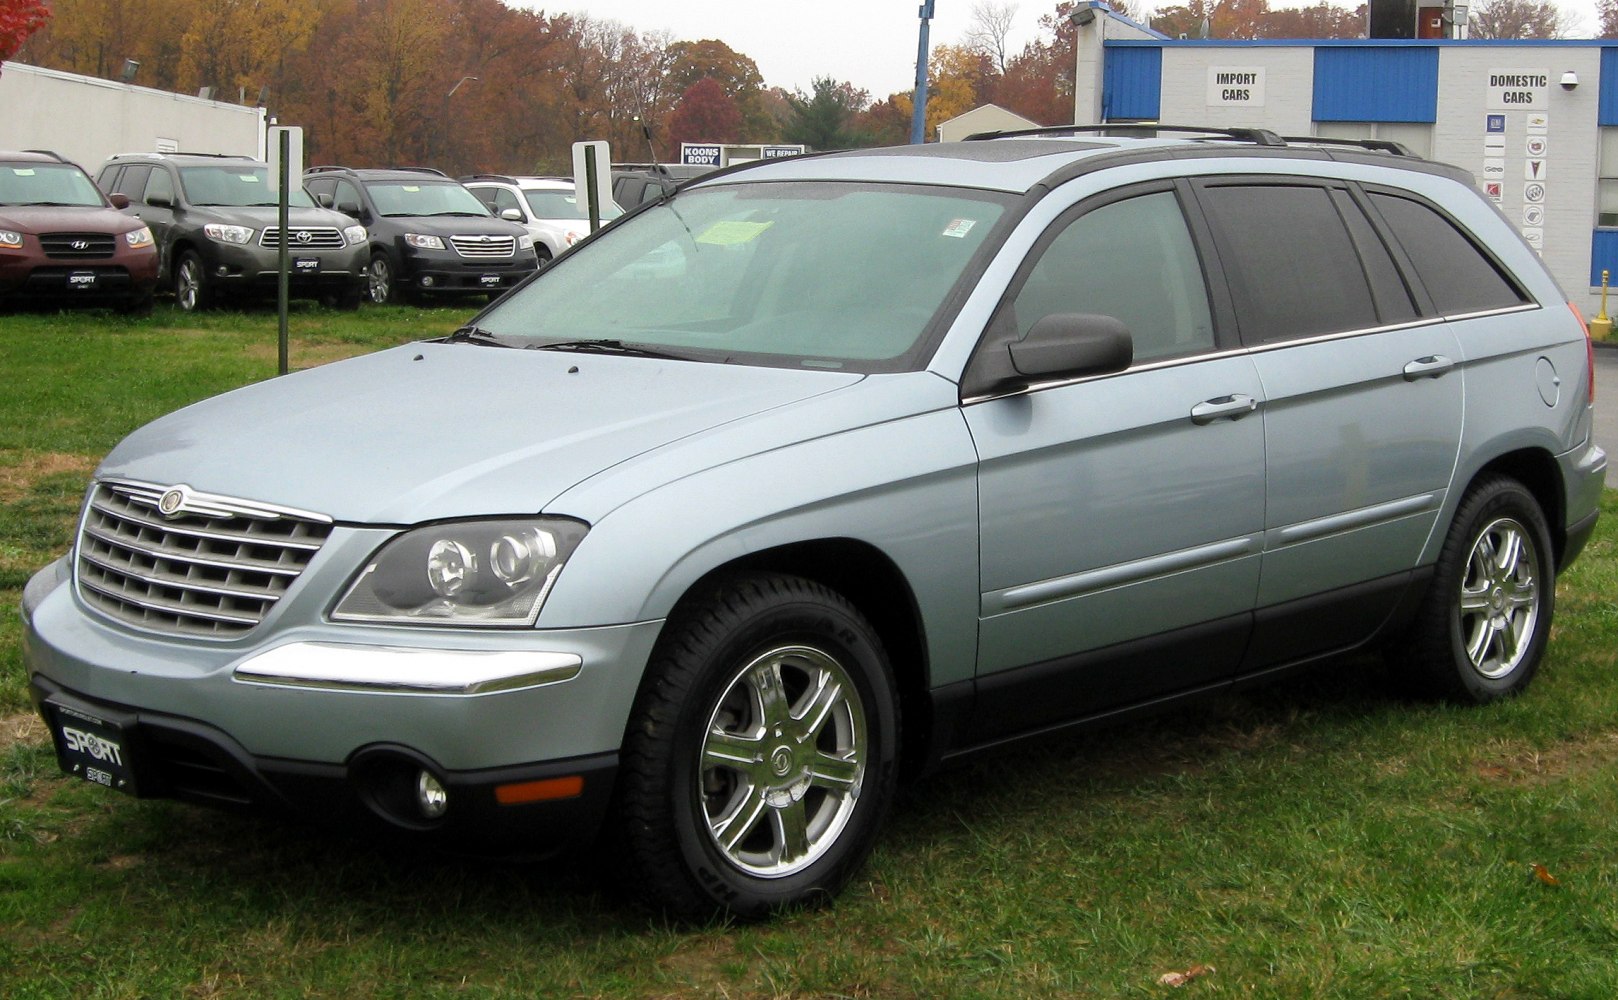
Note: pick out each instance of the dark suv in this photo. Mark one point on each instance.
(218, 231)
(429, 235)
(62, 241)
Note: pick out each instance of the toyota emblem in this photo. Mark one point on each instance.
(304, 236)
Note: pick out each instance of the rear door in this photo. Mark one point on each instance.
(1362, 422)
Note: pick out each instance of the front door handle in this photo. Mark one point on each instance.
(1232, 407)
(1432, 366)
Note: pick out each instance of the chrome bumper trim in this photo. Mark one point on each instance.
(398, 670)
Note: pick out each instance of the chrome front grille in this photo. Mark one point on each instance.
(173, 559)
(303, 238)
(78, 246)
(484, 246)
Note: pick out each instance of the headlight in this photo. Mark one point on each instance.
(227, 234)
(486, 573)
(138, 238)
(10, 240)
(525, 242)
(422, 241)
(355, 235)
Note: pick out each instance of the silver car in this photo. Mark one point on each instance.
(827, 471)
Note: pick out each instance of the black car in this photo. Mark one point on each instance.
(217, 226)
(429, 236)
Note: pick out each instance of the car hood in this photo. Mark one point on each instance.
(59, 218)
(454, 225)
(261, 216)
(431, 431)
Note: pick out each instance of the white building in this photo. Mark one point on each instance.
(1535, 122)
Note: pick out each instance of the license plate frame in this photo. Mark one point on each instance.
(82, 281)
(306, 265)
(92, 747)
(490, 280)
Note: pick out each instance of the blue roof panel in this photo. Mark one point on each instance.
(1376, 84)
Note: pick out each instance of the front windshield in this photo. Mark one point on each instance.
(818, 274)
(406, 198)
(560, 204)
(46, 184)
(236, 185)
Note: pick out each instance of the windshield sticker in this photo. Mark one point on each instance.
(247, 178)
(23, 171)
(411, 188)
(733, 232)
(958, 228)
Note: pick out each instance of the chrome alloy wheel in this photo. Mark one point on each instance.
(783, 761)
(1500, 598)
(379, 280)
(188, 283)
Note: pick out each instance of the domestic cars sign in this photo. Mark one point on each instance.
(1518, 89)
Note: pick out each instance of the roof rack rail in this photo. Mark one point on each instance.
(417, 170)
(1257, 136)
(500, 178)
(1375, 145)
(58, 157)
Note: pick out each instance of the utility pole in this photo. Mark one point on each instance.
(918, 118)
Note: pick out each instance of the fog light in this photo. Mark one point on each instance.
(426, 281)
(223, 270)
(431, 798)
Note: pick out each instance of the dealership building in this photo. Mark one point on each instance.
(1536, 122)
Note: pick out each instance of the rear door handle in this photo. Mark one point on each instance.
(1432, 366)
(1232, 407)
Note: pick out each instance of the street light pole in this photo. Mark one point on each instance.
(918, 117)
(445, 130)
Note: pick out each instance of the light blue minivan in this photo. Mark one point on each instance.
(822, 472)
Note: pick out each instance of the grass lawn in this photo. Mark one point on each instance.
(1316, 839)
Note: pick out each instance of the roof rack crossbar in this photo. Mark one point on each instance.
(1257, 136)
(1375, 145)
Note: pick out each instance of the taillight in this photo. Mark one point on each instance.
(1589, 353)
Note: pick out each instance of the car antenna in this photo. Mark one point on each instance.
(651, 147)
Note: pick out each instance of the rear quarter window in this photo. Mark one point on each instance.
(1457, 274)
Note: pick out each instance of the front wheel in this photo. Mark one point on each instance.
(1482, 629)
(191, 289)
(379, 280)
(761, 757)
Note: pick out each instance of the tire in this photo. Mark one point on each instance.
(733, 800)
(191, 287)
(379, 280)
(1482, 629)
(542, 252)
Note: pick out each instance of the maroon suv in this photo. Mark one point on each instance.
(62, 242)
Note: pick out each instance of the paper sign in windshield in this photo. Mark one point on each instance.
(958, 228)
(732, 232)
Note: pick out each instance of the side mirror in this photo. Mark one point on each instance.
(323, 200)
(511, 215)
(1072, 345)
(349, 209)
(119, 201)
(160, 200)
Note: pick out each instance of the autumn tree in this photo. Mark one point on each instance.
(959, 78)
(18, 20)
(1237, 19)
(706, 113)
(709, 58)
(1502, 19)
(1320, 21)
(1607, 10)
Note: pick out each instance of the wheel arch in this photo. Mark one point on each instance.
(1536, 469)
(875, 585)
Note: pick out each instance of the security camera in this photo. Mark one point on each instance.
(1570, 80)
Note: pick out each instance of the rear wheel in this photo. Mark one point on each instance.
(191, 287)
(1482, 630)
(761, 757)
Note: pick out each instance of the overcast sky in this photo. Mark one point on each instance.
(870, 43)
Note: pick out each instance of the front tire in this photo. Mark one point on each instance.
(191, 289)
(379, 280)
(761, 757)
(1482, 629)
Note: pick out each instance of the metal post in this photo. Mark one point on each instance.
(591, 186)
(282, 280)
(918, 117)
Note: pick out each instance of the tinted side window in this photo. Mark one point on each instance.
(161, 185)
(1292, 266)
(1133, 260)
(1454, 271)
(348, 194)
(132, 181)
(502, 200)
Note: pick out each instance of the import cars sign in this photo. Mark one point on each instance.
(1518, 90)
(1236, 86)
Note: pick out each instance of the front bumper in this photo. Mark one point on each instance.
(256, 270)
(446, 273)
(521, 729)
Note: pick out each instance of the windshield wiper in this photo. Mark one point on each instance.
(608, 347)
(476, 335)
